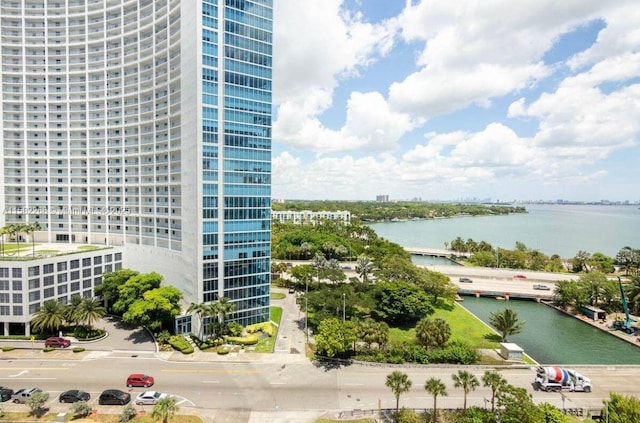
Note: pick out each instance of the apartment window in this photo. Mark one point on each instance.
(4, 272)
(62, 266)
(34, 296)
(4, 285)
(48, 280)
(62, 277)
(4, 310)
(86, 262)
(49, 292)
(47, 268)
(16, 272)
(17, 310)
(17, 298)
(75, 263)
(62, 289)
(75, 275)
(16, 285)
(34, 270)
(34, 283)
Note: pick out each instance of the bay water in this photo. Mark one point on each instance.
(549, 228)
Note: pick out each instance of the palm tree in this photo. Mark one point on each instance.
(165, 408)
(89, 311)
(435, 387)
(223, 308)
(467, 381)
(11, 230)
(495, 381)
(49, 318)
(18, 229)
(364, 267)
(3, 231)
(432, 332)
(399, 383)
(31, 228)
(71, 308)
(506, 322)
(202, 311)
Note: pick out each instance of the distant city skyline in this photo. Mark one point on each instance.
(436, 99)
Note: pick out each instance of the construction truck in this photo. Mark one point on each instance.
(557, 379)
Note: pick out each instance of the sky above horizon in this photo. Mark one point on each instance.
(454, 100)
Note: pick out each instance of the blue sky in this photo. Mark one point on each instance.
(452, 100)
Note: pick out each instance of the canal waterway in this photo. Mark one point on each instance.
(551, 337)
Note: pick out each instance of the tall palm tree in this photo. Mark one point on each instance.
(224, 308)
(70, 309)
(364, 267)
(12, 231)
(436, 388)
(467, 381)
(89, 311)
(495, 381)
(202, 311)
(506, 322)
(49, 318)
(30, 228)
(18, 229)
(399, 383)
(165, 408)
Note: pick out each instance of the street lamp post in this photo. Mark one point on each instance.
(344, 307)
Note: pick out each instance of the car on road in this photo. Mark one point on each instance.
(56, 341)
(22, 395)
(292, 290)
(519, 277)
(150, 398)
(140, 380)
(114, 397)
(74, 395)
(465, 280)
(541, 287)
(6, 393)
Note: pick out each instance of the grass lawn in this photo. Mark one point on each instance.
(464, 327)
(266, 345)
(278, 296)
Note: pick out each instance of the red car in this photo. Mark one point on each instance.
(140, 380)
(520, 277)
(56, 341)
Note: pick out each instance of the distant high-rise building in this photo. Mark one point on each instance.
(382, 198)
(144, 124)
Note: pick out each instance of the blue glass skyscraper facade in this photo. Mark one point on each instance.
(236, 152)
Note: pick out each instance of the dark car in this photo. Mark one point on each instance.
(465, 280)
(520, 277)
(6, 393)
(541, 287)
(56, 341)
(114, 397)
(140, 380)
(74, 395)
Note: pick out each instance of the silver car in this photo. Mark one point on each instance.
(150, 397)
(21, 395)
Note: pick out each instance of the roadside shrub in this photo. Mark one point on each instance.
(264, 327)
(222, 350)
(454, 353)
(244, 340)
(163, 337)
(80, 409)
(7, 348)
(235, 328)
(128, 413)
(181, 344)
(84, 333)
(77, 349)
(48, 349)
(36, 403)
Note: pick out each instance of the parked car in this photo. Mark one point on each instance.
(292, 290)
(541, 287)
(140, 380)
(74, 395)
(465, 280)
(21, 395)
(6, 393)
(56, 341)
(150, 397)
(520, 277)
(114, 397)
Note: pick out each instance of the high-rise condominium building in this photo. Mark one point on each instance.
(146, 125)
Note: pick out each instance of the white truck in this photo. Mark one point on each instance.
(556, 379)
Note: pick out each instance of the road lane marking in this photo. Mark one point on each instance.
(277, 383)
(211, 371)
(20, 373)
(210, 381)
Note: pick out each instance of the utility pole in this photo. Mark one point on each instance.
(344, 307)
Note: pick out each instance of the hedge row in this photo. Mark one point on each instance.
(181, 344)
(244, 340)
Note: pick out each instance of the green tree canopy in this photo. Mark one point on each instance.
(400, 302)
(134, 288)
(334, 337)
(89, 311)
(156, 310)
(622, 408)
(432, 333)
(111, 282)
